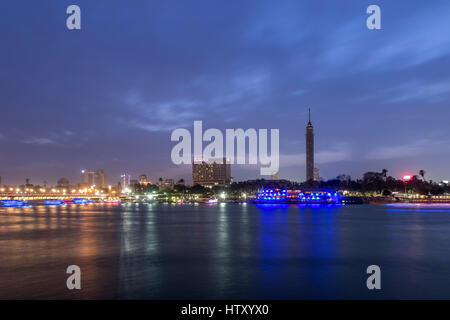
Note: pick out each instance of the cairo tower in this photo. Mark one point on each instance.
(309, 149)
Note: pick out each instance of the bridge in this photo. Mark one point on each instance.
(41, 196)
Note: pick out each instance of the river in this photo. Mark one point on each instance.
(225, 251)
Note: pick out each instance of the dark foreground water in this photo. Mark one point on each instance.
(236, 251)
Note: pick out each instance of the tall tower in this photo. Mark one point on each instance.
(309, 149)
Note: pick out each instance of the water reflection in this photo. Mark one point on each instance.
(228, 251)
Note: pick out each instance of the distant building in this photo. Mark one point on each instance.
(63, 182)
(214, 172)
(309, 149)
(316, 174)
(167, 185)
(91, 177)
(87, 177)
(143, 179)
(100, 179)
(125, 180)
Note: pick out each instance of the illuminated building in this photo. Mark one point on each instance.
(214, 172)
(309, 149)
(168, 184)
(143, 179)
(275, 175)
(125, 180)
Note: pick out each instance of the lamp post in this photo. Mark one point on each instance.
(406, 178)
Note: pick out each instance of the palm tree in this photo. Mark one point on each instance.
(384, 173)
(160, 180)
(422, 174)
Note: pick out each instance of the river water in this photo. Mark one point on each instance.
(225, 251)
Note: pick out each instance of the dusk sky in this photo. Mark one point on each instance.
(108, 96)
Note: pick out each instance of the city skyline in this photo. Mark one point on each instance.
(109, 95)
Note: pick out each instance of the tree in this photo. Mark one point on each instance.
(422, 174)
(160, 180)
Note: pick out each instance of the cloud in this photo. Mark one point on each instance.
(163, 116)
(434, 92)
(341, 153)
(424, 146)
(39, 141)
(243, 89)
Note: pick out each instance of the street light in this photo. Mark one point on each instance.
(406, 178)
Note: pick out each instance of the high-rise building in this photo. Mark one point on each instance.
(309, 149)
(63, 182)
(87, 177)
(214, 172)
(125, 180)
(100, 179)
(90, 178)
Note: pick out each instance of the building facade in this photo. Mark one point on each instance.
(87, 178)
(90, 178)
(100, 179)
(316, 174)
(125, 180)
(214, 172)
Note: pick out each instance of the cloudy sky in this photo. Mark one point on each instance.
(108, 96)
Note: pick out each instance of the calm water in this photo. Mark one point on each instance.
(236, 251)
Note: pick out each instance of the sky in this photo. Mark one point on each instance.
(109, 95)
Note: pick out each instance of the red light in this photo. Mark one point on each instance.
(407, 178)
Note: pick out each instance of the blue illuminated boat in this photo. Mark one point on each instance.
(81, 201)
(14, 203)
(298, 196)
(55, 202)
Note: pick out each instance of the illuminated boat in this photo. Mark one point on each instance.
(298, 196)
(14, 203)
(81, 201)
(53, 202)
